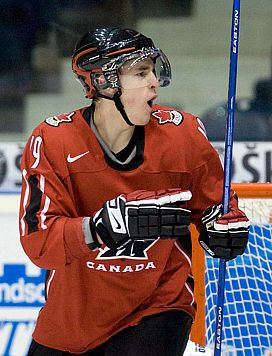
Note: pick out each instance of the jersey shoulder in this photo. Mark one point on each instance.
(61, 119)
(178, 131)
(62, 126)
(57, 139)
(64, 120)
(177, 121)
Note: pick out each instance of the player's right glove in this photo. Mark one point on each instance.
(224, 236)
(142, 215)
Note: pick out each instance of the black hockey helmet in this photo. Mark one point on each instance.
(105, 50)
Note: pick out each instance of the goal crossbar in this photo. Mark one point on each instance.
(253, 190)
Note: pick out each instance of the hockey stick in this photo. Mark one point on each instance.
(227, 165)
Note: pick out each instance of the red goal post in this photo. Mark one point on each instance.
(244, 191)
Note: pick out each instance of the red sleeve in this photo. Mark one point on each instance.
(50, 229)
(207, 188)
(207, 177)
(207, 173)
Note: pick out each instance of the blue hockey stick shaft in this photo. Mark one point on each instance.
(227, 166)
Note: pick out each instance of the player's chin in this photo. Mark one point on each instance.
(145, 116)
(141, 117)
(144, 122)
(141, 121)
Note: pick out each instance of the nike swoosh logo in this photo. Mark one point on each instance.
(116, 222)
(75, 158)
(118, 225)
(116, 218)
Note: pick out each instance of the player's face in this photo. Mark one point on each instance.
(139, 84)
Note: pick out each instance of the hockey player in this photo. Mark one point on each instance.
(108, 194)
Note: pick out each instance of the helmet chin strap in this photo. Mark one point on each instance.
(118, 104)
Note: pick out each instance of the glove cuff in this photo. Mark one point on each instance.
(90, 234)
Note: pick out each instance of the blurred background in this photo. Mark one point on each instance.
(36, 81)
(38, 36)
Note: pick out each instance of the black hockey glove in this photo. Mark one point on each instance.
(142, 215)
(224, 236)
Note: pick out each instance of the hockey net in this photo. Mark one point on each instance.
(247, 326)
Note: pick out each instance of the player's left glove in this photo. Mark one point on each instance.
(224, 236)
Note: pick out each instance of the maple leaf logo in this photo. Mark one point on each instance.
(171, 116)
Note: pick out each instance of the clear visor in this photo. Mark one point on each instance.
(143, 68)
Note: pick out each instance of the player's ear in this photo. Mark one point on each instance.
(99, 80)
(101, 84)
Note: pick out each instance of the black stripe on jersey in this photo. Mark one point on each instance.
(47, 275)
(34, 204)
(190, 281)
(186, 243)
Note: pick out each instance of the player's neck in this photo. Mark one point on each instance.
(111, 125)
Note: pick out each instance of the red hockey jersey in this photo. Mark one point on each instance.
(92, 295)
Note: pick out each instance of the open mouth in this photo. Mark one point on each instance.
(150, 102)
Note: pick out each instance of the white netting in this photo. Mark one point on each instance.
(247, 328)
